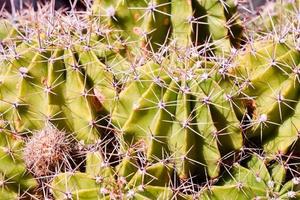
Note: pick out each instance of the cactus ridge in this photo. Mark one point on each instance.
(215, 22)
(179, 107)
(256, 178)
(272, 118)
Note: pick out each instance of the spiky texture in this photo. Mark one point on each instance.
(46, 151)
(44, 82)
(177, 108)
(268, 74)
(208, 22)
(164, 116)
(255, 179)
(7, 31)
(276, 16)
(15, 181)
(131, 179)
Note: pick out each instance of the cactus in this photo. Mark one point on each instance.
(177, 108)
(46, 150)
(6, 30)
(50, 84)
(156, 21)
(127, 180)
(149, 99)
(277, 16)
(255, 180)
(268, 73)
(15, 181)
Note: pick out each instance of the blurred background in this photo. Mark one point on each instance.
(14, 5)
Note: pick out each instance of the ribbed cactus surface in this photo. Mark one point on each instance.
(128, 180)
(152, 99)
(255, 180)
(35, 89)
(186, 22)
(15, 180)
(177, 108)
(269, 79)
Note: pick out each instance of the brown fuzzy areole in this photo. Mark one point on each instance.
(250, 104)
(46, 151)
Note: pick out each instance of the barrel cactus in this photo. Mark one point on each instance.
(204, 22)
(15, 181)
(154, 99)
(257, 179)
(177, 108)
(272, 103)
(35, 83)
(128, 180)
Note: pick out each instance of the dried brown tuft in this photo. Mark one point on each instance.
(46, 151)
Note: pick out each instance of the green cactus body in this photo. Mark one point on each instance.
(125, 181)
(155, 21)
(52, 85)
(15, 181)
(256, 180)
(150, 99)
(7, 31)
(181, 112)
(75, 186)
(270, 82)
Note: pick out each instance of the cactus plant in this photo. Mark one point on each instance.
(139, 100)
(273, 110)
(35, 90)
(156, 21)
(46, 150)
(127, 180)
(255, 180)
(180, 111)
(6, 30)
(15, 181)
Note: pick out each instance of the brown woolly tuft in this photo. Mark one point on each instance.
(47, 151)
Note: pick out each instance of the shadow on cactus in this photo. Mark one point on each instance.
(177, 109)
(42, 83)
(256, 179)
(213, 23)
(132, 178)
(268, 75)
